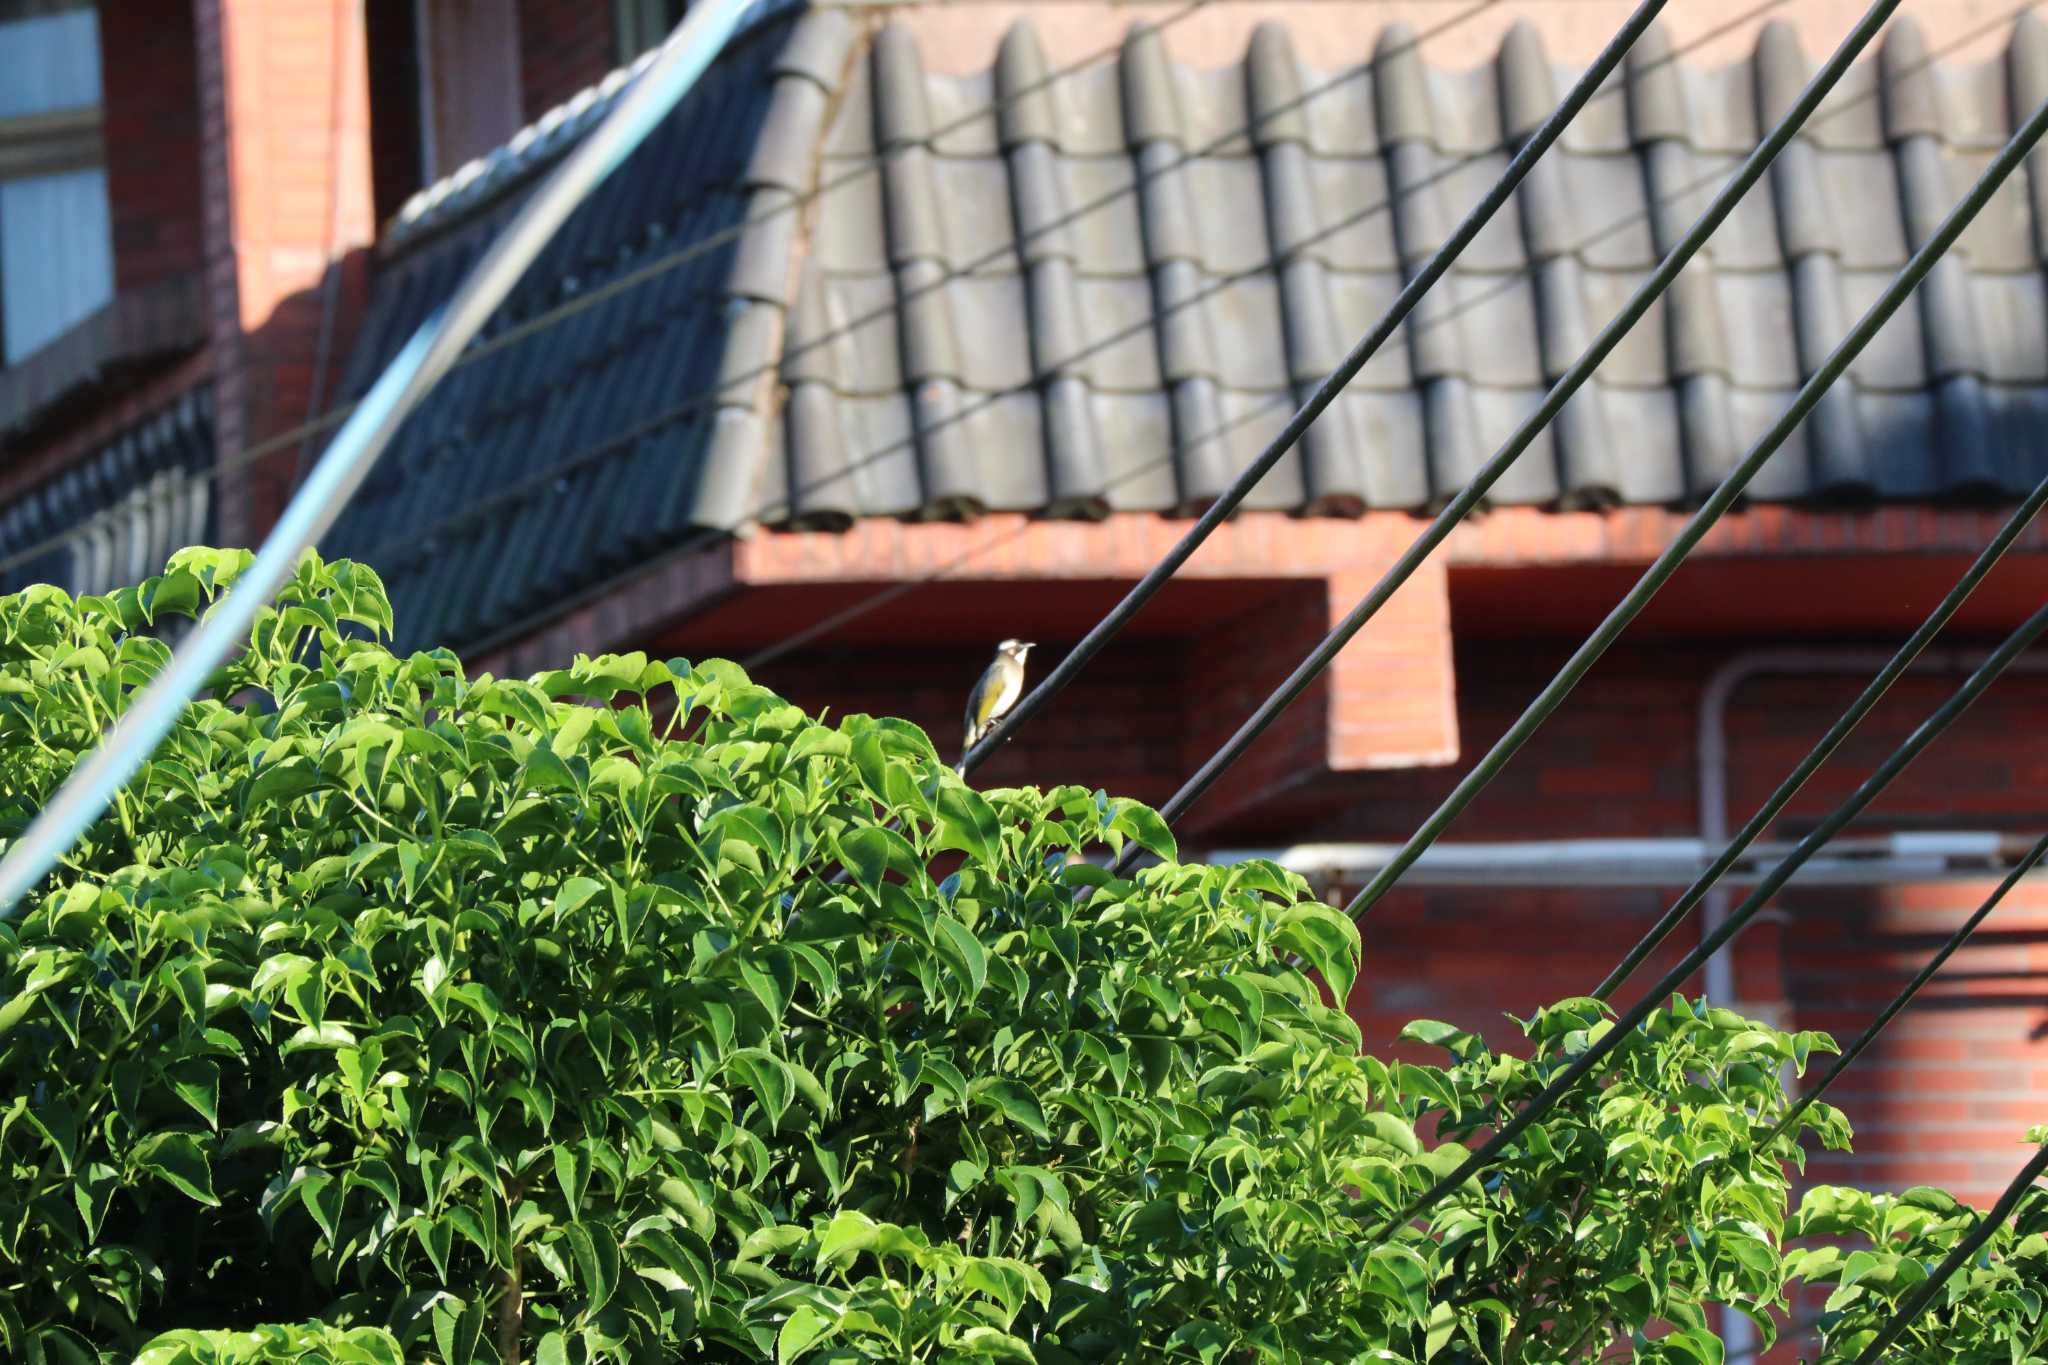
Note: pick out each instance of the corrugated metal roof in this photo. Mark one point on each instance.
(1109, 295)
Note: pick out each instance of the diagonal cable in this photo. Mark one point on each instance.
(426, 357)
(1463, 306)
(1987, 184)
(1905, 996)
(1923, 1294)
(1366, 347)
(1666, 564)
(1626, 1024)
(1646, 295)
(1988, 559)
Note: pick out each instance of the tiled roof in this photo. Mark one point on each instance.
(1110, 294)
(123, 510)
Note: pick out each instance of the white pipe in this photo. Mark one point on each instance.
(1960, 855)
(1712, 751)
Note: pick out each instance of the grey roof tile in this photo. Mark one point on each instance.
(1355, 229)
(1655, 85)
(1343, 111)
(961, 119)
(1102, 207)
(1024, 97)
(1108, 295)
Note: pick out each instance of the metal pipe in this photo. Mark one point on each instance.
(1712, 762)
(1957, 855)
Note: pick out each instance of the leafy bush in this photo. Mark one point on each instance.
(395, 1011)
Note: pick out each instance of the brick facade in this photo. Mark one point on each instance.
(287, 180)
(1947, 1097)
(151, 112)
(564, 45)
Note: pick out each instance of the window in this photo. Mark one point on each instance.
(56, 239)
(644, 24)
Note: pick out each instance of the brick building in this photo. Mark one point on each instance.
(932, 375)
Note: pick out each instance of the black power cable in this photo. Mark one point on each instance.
(1456, 510)
(1367, 346)
(2002, 166)
(1626, 1025)
(2021, 518)
(1923, 1295)
(1912, 988)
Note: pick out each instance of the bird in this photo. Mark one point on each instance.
(1000, 686)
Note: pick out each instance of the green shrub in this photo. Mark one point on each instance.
(486, 1019)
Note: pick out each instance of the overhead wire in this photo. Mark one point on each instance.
(2022, 517)
(152, 711)
(1959, 1256)
(1627, 1022)
(1455, 511)
(2028, 861)
(1437, 318)
(1938, 243)
(1666, 563)
(1412, 293)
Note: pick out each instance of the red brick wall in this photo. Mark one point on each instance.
(284, 108)
(564, 45)
(391, 34)
(1963, 1073)
(151, 84)
(1119, 726)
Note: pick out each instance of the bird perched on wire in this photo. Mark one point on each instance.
(996, 693)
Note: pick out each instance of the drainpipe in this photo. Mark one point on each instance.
(1738, 1333)
(1719, 983)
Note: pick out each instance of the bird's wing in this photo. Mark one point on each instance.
(986, 696)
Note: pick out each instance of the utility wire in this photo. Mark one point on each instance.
(426, 357)
(1923, 1294)
(698, 402)
(1366, 347)
(896, 591)
(1895, 294)
(1667, 563)
(1626, 1024)
(1912, 988)
(1468, 497)
(2022, 517)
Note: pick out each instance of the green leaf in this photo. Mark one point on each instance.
(849, 1234)
(964, 953)
(574, 895)
(1327, 939)
(966, 821)
(872, 852)
(178, 1160)
(804, 1328)
(197, 1082)
(769, 1079)
(1016, 1103)
(1144, 825)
